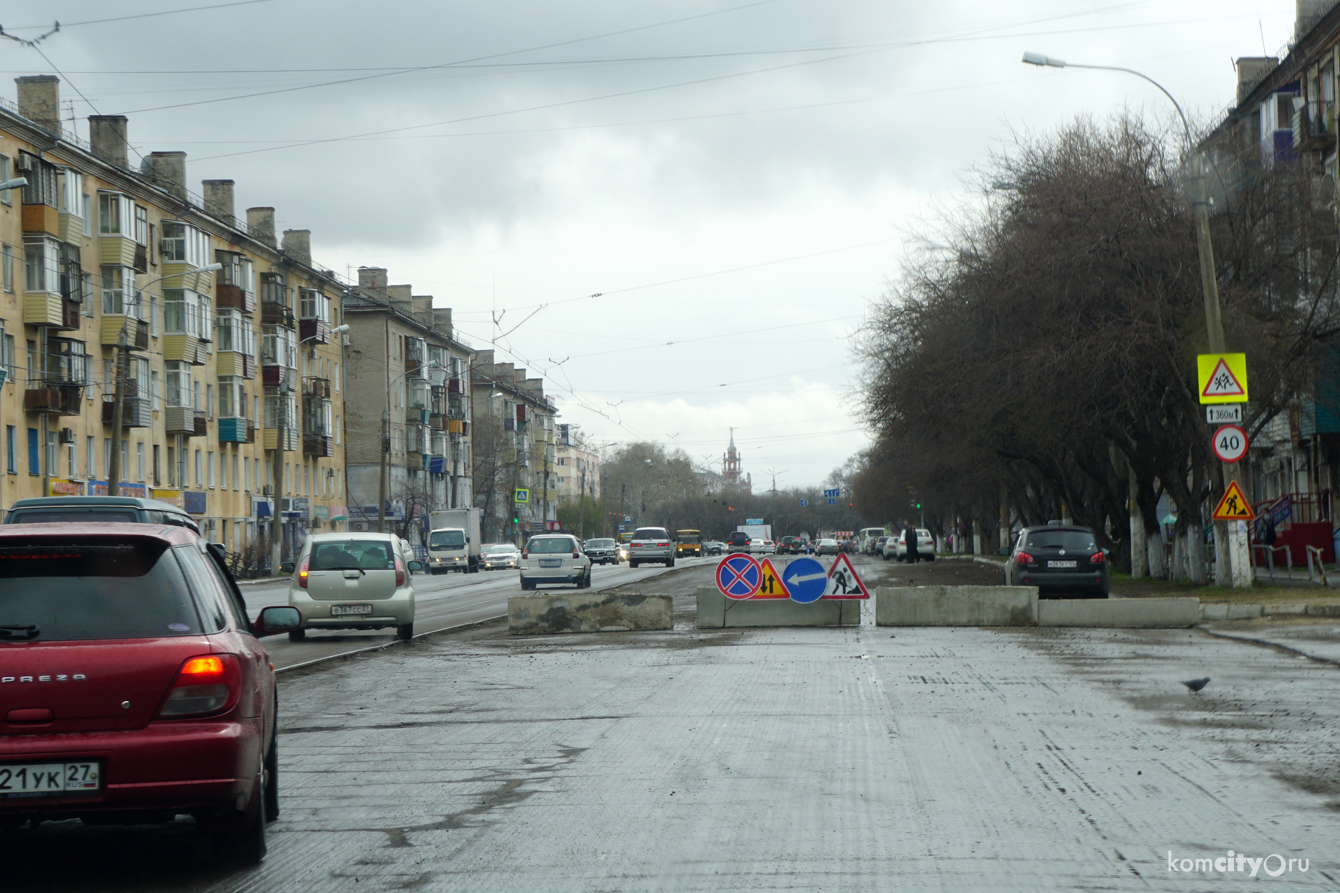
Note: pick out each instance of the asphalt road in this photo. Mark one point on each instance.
(853, 759)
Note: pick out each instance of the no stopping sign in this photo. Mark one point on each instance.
(1230, 443)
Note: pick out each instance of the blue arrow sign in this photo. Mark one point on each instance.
(805, 579)
(739, 576)
(804, 502)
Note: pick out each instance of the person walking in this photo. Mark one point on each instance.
(913, 556)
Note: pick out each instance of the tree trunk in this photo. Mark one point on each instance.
(1158, 557)
(1139, 549)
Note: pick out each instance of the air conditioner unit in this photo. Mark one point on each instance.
(268, 490)
(24, 163)
(67, 435)
(358, 526)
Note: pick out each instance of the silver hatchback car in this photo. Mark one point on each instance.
(354, 581)
(554, 558)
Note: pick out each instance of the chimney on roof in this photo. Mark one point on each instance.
(442, 320)
(167, 171)
(1308, 14)
(219, 199)
(372, 279)
(261, 223)
(298, 245)
(39, 100)
(1251, 71)
(107, 136)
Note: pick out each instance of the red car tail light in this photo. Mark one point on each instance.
(399, 572)
(302, 572)
(576, 554)
(205, 684)
(1098, 558)
(1024, 558)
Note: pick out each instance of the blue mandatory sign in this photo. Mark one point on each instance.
(804, 502)
(805, 579)
(739, 576)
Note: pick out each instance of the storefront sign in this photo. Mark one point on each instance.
(194, 501)
(65, 488)
(172, 497)
(99, 488)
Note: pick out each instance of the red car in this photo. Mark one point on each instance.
(133, 688)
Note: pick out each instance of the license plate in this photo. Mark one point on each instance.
(49, 779)
(551, 562)
(342, 610)
(1063, 564)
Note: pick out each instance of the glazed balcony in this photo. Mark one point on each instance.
(315, 331)
(234, 297)
(317, 445)
(135, 412)
(236, 430)
(275, 313)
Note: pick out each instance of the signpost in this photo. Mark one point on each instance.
(1230, 443)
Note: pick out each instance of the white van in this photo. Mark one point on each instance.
(448, 550)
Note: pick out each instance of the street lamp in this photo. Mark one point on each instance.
(123, 372)
(277, 518)
(1239, 557)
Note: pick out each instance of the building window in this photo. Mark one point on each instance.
(86, 207)
(139, 462)
(199, 462)
(181, 312)
(90, 458)
(209, 467)
(115, 214)
(177, 383)
(9, 264)
(156, 480)
(41, 266)
(11, 451)
(154, 391)
(5, 175)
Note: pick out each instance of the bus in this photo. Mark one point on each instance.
(867, 536)
(688, 543)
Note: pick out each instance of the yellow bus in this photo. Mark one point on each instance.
(688, 542)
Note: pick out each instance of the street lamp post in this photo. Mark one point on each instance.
(277, 472)
(123, 372)
(1239, 552)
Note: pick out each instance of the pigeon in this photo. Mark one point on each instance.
(1197, 684)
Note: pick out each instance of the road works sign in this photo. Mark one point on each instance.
(738, 576)
(842, 580)
(1230, 443)
(1234, 505)
(1222, 377)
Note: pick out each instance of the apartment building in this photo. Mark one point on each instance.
(409, 414)
(231, 382)
(577, 468)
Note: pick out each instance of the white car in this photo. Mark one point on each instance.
(353, 581)
(501, 556)
(896, 547)
(554, 558)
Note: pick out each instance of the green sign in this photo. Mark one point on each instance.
(521, 496)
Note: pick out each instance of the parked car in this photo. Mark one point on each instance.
(353, 581)
(827, 547)
(925, 545)
(554, 558)
(1059, 559)
(714, 547)
(499, 556)
(877, 545)
(135, 689)
(602, 551)
(737, 541)
(651, 544)
(103, 509)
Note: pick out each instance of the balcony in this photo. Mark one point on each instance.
(201, 425)
(316, 387)
(53, 397)
(135, 412)
(42, 308)
(413, 365)
(455, 386)
(437, 421)
(317, 445)
(236, 430)
(417, 415)
(231, 362)
(275, 376)
(234, 297)
(180, 420)
(315, 330)
(274, 313)
(137, 331)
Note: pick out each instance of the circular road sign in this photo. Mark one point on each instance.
(805, 579)
(738, 576)
(1230, 443)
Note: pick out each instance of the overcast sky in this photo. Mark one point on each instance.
(735, 180)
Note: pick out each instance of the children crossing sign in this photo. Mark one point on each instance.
(1222, 377)
(1234, 505)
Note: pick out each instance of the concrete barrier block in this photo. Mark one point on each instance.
(1121, 613)
(1214, 612)
(715, 611)
(956, 606)
(1323, 610)
(1243, 612)
(1287, 609)
(583, 612)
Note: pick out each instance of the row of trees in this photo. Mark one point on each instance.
(1036, 358)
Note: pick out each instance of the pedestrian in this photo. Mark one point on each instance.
(913, 556)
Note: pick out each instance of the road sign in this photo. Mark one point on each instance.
(1226, 414)
(842, 580)
(770, 583)
(1234, 505)
(738, 576)
(753, 521)
(521, 495)
(833, 494)
(805, 579)
(832, 501)
(1230, 443)
(803, 502)
(1222, 377)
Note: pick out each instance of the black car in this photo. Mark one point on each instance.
(602, 551)
(1059, 559)
(738, 541)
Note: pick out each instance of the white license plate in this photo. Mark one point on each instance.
(1063, 564)
(37, 779)
(342, 610)
(551, 562)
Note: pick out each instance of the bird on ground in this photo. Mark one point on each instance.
(1197, 684)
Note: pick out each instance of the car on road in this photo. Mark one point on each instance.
(896, 547)
(602, 551)
(758, 546)
(98, 509)
(554, 558)
(737, 541)
(353, 581)
(1059, 559)
(877, 545)
(134, 688)
(827, 547)
(499, 556)
(651, 544)
(714, 547)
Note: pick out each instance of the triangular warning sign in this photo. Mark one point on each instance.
(1223, 383)
(1234, 505)
(842, 580)
(770, 583)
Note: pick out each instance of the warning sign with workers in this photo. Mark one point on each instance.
(842, 580)
(1234, 505)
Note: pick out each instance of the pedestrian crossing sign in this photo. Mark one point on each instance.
(1234, 505)
(1222, 377)
(842, 580)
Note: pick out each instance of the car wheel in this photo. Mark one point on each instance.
(272, 778)
(632, 563)
(297, 635)
(670, 562)
(405, 631)
(526, 584)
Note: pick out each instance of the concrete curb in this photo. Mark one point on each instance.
(1252, 612)
(715, 611)
(583, 612)
(1121, 613)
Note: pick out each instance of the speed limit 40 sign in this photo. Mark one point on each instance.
(1230, 443)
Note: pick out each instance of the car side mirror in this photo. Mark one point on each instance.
(286, 567)
(276, 619)
(416, 566)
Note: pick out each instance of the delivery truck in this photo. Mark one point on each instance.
(453, 541)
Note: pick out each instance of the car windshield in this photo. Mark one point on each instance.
(551, 546)
(688, 537)
(651, 533)
(501, 549)
(93, 590)
(600, 544)
(1070, 540)
(72, 516)
(446, 539)
(351, 555)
